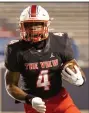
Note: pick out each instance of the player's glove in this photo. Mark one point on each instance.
(72, 77)
(37, 103)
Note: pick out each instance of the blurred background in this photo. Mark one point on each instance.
(66, 17)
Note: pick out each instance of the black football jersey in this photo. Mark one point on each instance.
(40, 70)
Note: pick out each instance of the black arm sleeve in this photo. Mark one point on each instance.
(11, 62)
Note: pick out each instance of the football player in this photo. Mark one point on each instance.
(38, 57)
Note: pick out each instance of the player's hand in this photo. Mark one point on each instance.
(72, 77)
(38, 105)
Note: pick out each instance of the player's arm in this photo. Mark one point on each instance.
(77, 77)
(11, 83)
(12, 76)
(13, 64)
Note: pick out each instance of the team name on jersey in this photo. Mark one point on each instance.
(43, 65)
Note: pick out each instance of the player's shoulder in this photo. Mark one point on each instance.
(59, 35)
(59, 39)
(13, 45)
(13, 42)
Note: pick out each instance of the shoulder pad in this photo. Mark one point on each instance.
(61, 34)
(13, 42)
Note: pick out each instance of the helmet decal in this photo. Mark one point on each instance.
(33, 10)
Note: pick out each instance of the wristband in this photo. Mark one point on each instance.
(28, 98)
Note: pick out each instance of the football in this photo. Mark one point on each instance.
(71, 65)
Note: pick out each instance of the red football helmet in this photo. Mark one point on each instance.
(34, 22)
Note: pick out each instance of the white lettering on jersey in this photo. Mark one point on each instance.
(43, 80)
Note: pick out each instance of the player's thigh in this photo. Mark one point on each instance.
(72, 109)
(66, 105)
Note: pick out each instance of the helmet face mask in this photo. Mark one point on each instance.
(34, 28)
(34, 31)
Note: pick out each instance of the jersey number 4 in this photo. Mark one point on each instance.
(43, 80)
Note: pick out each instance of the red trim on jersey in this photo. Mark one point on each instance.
(33, 11)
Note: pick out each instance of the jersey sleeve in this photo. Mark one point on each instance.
(11, 62)
(68, 51)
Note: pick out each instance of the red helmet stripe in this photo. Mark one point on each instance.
(33, 11)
